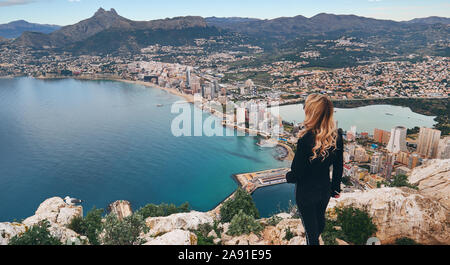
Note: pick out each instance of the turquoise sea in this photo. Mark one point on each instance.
(102, 141)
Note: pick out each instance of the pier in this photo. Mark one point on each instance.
(254, 180)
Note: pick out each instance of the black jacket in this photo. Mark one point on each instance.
(313, 177)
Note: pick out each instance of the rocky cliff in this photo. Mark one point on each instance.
(421, 215)
(433, 180)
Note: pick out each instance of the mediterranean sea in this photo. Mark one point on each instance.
(102, 141)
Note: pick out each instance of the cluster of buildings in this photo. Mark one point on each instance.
(428, 78)
(386, 154)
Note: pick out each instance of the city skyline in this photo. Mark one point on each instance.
(55, 11)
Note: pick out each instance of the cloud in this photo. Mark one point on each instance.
(15, 2)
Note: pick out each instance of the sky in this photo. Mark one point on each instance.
(66, 12)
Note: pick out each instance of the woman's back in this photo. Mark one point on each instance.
(313, 176)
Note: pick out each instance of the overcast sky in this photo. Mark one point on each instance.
(65, 12)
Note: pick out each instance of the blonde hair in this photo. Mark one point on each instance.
(319, 120)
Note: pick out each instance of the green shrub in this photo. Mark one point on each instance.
(402, 181)
(202, 234)
(242, 200)
(357, 225)
(36, 235)
(90, 226)
(405, 241)
(274, 220)
(330, 234)
(164, 209)
(288, 234)
(124, 232)
(243, 224)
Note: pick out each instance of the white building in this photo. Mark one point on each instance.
(397, 142)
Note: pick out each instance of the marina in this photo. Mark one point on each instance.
(254, 180)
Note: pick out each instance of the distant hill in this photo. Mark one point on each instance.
(16, 28)
(108, 32)
(107, 28)
(291, 27)
(430, 20)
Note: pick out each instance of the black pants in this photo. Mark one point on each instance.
(312, 213)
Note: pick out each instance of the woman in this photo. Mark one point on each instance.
(319, 147)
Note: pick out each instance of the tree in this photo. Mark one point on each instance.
(90, 226)
(37, 235)
(405, 241)
(243, 224)
(164, 209)
(357, 225)
(402, 181)
(242, 200)
(124, 232)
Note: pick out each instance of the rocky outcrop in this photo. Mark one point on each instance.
(185, 221)
(58, 213)
(400, 212)
(121, 209)
(175, 237)
(9, 230)
(433, 180)
(271, 235)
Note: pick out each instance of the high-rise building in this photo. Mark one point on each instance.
(428, 143)
(361, 154)
(188, 77)
(414, 161)
(397, 142)
(375, 163)
(402, 158)
(381, 136)
(444, 148)
(388, 166)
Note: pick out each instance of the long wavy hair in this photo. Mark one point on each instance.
(319, 120)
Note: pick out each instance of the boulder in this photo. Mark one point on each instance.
(433, 180)
(121, 209)
(185, 221)
(9, 230)
(56, 211)
(400, 212)
(175, 237)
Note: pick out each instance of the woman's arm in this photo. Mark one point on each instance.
(338, 166)
(298, 164)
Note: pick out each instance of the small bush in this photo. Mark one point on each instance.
(288, 234)
(405, 241)
(90, 226)
(202, 234)
(124, 232)
(244, 224)
(242, 200)
(274, 220)
(402, 181)
(36, 235)
(164, 209)
(357, 225)
(330, 234)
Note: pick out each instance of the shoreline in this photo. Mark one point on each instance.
(190, 99)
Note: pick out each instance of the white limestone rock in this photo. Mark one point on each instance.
(54, 210)
(433, 179)
(175, 237)
(185, 221)
(400, 212)
(9, 230)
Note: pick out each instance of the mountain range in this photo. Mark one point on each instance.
(108, 32)
(14, 29)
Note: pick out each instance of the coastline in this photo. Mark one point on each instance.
(189, 98)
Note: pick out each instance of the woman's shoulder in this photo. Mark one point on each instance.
(307, 137)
